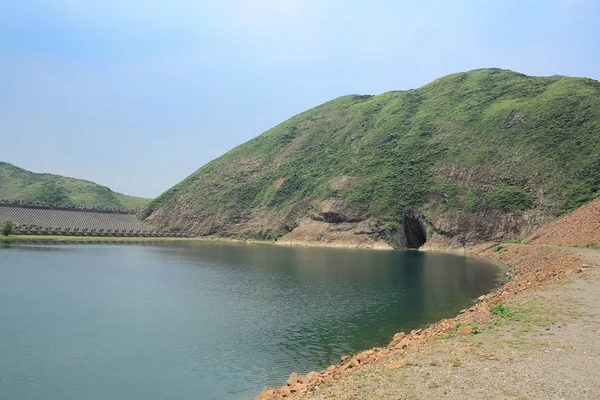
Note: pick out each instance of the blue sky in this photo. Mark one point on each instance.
(138, 94)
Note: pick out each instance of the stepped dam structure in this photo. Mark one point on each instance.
(41, 219)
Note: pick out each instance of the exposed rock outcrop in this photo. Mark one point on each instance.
(451, 230)
(337, 211)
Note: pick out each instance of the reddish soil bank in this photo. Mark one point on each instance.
(580, 228)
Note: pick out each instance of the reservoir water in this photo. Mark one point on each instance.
(207, 320)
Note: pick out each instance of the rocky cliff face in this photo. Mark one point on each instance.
(472, 157)
(449, 230)
(334, 223)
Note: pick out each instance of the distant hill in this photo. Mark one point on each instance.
(483, 155)
(19, 184)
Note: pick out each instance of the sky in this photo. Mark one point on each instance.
(138, 94)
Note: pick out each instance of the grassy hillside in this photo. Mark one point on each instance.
(132, 202)
(486, 141)
(19, 184)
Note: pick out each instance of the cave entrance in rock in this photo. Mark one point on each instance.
(414, 232)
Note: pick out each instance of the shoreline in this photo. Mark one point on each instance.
(109, 239)
(525, 264)
(336, 245)
(374, 245)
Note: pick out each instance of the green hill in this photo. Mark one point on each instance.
(472, 156)
(19, 184)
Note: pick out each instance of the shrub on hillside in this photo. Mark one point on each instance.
(508, 198)
(8, 228)
(578, 193)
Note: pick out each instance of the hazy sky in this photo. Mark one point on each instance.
(138, 94)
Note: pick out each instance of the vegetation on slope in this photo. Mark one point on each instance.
(7, 228)
(483, 140)
(19, 184)
(132, 202)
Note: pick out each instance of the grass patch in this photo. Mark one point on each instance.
(537, 313)
(508, 198)
(518, 241)
(363, 374)
(501, 311)
(564, 283)
(474, 330)
(437, 384)
(500, 249)
(454, 331)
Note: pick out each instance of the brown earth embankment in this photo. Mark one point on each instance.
(579, 228)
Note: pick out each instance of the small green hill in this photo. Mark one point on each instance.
(479, 155)
(19, 184)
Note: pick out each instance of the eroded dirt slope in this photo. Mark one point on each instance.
(580, 228)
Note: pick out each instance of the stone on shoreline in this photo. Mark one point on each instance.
(465, 330)
(397, 339)
(404, 343)
(397, 364)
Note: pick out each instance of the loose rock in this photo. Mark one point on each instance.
(397, 364)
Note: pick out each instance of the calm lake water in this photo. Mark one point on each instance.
(207, 320)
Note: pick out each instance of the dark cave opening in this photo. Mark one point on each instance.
(414, 232)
